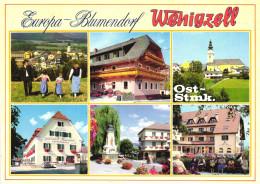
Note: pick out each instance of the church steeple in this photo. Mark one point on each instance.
(210, 52)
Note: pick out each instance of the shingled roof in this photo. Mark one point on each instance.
(226, 62)
(157, 126)
(221, 126)
(59, 115)
(140, 44)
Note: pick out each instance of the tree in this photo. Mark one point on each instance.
(15, 72)
(105, 116)
(16, 139)
(196, 66)
(126, 146)
(224, 96)
(177, 119)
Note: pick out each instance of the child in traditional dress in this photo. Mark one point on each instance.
(212, 164)
(58, 89)
(44, 85)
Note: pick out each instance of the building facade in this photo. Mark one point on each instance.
(155, 142)
(212, 131)
(132, 66)
(57, 142)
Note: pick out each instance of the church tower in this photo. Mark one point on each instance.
(210, 53)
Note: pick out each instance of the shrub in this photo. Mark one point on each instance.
(141, 170)
(120, 160)
(127, 165)
(186, 161)
(153, 171)
(135, 157)
(108, 161)
(165, 167)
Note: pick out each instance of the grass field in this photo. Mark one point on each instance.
(17, 93)
(238, 89)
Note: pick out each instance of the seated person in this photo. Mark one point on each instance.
(201, 164)
(178, 165)
(221, 164)
(231, 165)
(244, 164)
(193, 166)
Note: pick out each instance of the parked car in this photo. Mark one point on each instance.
(48, 165)
(188, 155)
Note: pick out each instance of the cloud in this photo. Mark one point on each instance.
(46, 116)
(81, 127)
(133, 115)
(144, 122)
(134, 130)
(162, 107)
(160, 41)
(33, 122)
(122, 128)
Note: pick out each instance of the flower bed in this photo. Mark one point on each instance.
(127, 165)
(142, 170)
(120, 160)
(98, 95)
(153, 171)
(107, 161)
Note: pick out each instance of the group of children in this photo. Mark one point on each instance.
(44, 86)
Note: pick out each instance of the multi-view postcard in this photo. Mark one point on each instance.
(130, 67)
(50, 67)
(211, 67)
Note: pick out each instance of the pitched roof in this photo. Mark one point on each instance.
(221, 126)
(139, 46)
(157, 126)
(59, 115)
(33, 136)
(226, 62)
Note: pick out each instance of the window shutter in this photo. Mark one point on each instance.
(70, 135)
(49, 146)
(43, 145)
(63, 146)
(50, 158)
(44, 158)
(62, 158)
(70, 147)
(75, 147)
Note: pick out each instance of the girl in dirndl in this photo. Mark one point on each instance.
(44, 85)
(58, 89)
(75, 76)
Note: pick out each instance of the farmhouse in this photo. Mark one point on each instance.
(155, 141)
(57, 141)
(211, 131)
(132, 66)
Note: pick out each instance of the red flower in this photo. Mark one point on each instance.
(60, 150)
(73, 151)
(161, 137)
(46, 149)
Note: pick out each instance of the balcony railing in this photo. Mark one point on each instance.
(145, 148)
(154, 60)
(154, 138)
(199, 133)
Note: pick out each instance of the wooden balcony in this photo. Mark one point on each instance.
(128, 72)
(153, 60)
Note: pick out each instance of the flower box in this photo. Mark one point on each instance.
(156, 137)
(150, 98)
(166, 137)
(145, 136)
(145, 147)
(109, 95)
(46, 149)
(151, 136)
(161, 147)
(60, 150)
(156, 147)
(73, 151)
(151, 146)
(161, 137)
(167, 147)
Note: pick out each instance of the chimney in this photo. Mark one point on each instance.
(95, 50)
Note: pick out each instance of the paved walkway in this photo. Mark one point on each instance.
(105, 99)
(115, 169)
(57, 170)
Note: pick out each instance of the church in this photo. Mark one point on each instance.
(224, 65)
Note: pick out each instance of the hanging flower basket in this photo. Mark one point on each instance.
(73, 151)
(60, 150)
(46, 149)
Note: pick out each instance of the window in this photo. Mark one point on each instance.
(60, 158)
(113, 85)
(190, 139)
(103, 69)
(153, 143)
(72, 147)
(102, 86)
(201, 129)
(161, 143)
(153, 134)
(225, 127)
(220, 150)
(147, 68)
(60, 124)
(212, 129)
(156, 85)
(60, 146)
(146, 85)
(224, 137)
(115, 54)
(106, 56)
(229, 150)
(156, 70)
(211, 139)
(228, 119)
(168, 135)
(212, 120)
(201, 138)
(47, 158)
(216, 113)
(139, 65)
(125, 85)
(51, 133)
(190, 121)
(206, 114)
(139, 85)
(98, 58)
(151, 85)
(190, 129)
(94, 85)
(161, 134)
(201, 120)
(46, 145)
(113, 67)
(181, 138)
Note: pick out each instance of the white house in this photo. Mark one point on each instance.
(58, 141)
(155, 141)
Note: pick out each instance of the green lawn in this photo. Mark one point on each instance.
(209, 82)
(238, 89)
(17, 93)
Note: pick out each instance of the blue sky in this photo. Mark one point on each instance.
(100, 40)
(188, 46)
(135, 117)
(189, 108)
(35, 116)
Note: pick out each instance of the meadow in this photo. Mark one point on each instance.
(17, 93)
(238, 89)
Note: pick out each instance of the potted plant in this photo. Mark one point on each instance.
(107, 161)
(127, 165)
